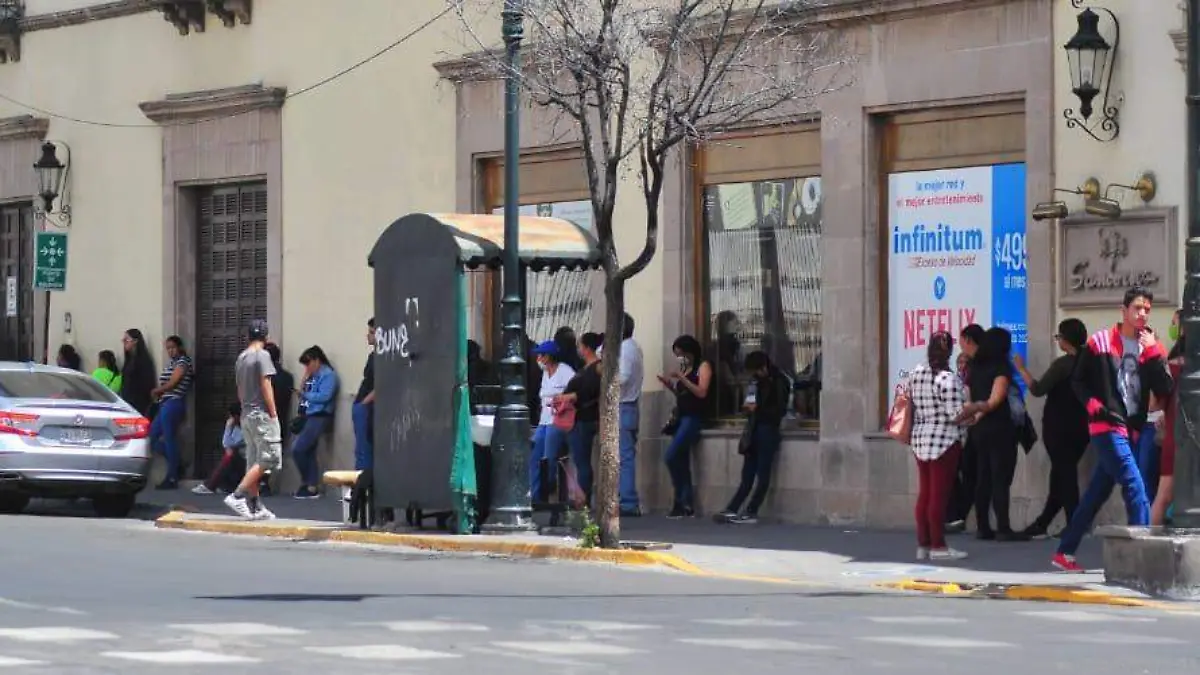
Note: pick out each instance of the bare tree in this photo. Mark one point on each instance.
(639, 79)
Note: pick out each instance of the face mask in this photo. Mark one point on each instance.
(542, 365)
(1173, 332)
(683, 362)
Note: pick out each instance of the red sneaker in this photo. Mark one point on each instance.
(1066, 563)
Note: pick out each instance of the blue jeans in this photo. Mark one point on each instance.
(1114, 464)
(580, 440)
(548, 444)
(630, 419)
(364, 444)
(757, 464)
(1147, 460)
(679, 460)
(164, 433)
(304, 449)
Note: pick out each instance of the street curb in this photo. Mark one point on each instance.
(176, 520)
(1030, 592)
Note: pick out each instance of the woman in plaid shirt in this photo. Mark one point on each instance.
(938, 399)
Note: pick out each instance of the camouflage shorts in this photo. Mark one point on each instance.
(264, 443)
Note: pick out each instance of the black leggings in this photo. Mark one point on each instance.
(997, 462)
(1065, 454)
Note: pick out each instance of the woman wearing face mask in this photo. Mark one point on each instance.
(690, 385)
(317, 397)
(548, 440)
(1166, 468)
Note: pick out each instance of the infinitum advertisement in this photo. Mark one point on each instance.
(956, 256)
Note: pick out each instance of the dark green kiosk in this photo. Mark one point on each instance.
(431, 448)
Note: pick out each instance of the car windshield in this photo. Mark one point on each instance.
(66, 386)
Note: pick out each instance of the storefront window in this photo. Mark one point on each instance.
(764, 286)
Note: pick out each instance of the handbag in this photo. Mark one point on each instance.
(297, 424)
(672, 424)
(564, 415)
(899, 422)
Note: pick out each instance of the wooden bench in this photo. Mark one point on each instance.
(346, 481)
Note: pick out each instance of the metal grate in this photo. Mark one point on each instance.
(16, 263)
(232, 290)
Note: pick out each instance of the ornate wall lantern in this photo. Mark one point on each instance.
(52, 180)
(1091, 59)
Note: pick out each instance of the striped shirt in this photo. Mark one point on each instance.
(185, 384)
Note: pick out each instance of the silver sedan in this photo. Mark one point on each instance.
(65, 435)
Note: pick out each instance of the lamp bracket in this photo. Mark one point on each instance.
(1146, 186)
(1107, 128)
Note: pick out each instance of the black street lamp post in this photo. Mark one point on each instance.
(1187, 485)
(510, 453)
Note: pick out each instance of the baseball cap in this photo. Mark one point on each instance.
(258, 329)
(548, 348)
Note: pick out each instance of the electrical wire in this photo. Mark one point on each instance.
(291, 95)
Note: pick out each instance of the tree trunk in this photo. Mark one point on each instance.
(608, 501)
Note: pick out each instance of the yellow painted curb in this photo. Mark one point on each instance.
(471, 544)
(1077, 596)
(925, 587)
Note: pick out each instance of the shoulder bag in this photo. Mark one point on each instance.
(899, 422)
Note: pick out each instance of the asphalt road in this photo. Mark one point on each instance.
(83, 595)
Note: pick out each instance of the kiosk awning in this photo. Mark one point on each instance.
(545, 243)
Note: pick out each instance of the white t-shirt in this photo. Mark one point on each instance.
(553, 385)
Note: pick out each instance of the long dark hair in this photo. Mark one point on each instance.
(941, 345)
(70, 357)
(315, 352)
(139, 358)
(107, 359)
(1074, 332)
(689, 346)
(996, 349)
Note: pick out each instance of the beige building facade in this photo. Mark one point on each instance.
(207, 185)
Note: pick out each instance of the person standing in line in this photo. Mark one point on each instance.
(137, 374)
(363, 412)
(260, 424)
(583, 392)
(1064, 424)
(107, 373)
(548, 440)
(631, 371)
(691, 385)
(568, 347)
(938, 400)
(766, 405)
(1114, 367)
(993, 434)
(284, 385)
(174, 383)
(1160, 507)
(962, 497)
(318, 396)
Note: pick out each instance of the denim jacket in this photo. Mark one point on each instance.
(320, 392)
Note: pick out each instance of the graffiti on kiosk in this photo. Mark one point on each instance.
(394, 341)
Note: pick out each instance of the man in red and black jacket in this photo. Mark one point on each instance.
(1114, 376)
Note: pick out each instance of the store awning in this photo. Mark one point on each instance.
(545, 243)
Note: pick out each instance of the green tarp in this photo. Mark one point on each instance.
(462, 470)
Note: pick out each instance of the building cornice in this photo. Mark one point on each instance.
(23, 127)
(833, 13)
(115, 9)
(214, 103)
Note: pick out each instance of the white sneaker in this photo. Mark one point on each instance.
(263, 513)
(239, 506)
(922, 553)
(947, 554)
(201, 489)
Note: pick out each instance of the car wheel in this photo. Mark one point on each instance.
(114, 506)
(13, 504)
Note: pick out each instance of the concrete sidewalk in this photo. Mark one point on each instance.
(772, 553)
